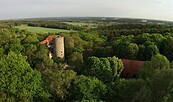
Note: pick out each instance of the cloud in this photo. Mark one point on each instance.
(160, 1)
(159, 9)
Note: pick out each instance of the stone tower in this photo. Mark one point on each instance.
(58, 46)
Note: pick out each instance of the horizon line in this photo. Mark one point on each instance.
(120, 17)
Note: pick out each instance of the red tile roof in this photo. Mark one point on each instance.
(131, 66)
(48, 40)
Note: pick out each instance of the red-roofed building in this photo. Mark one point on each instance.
(131, 67)
(48, 40)
(55, 43)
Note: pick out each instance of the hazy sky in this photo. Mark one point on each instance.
(152, 9)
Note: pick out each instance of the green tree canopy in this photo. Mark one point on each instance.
(106, 69)
(150, 51)
(59, 82)
(127, 50)
(158, 63)
(116, 66)
(126, 91)
(18, 78)
(161, 86)
(88, 88)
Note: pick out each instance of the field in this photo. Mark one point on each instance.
(82, 24)
(42, 30)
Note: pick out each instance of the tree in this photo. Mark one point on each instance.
(103, 51)
(122, 90)
(94, 38)
(127, 50)
(30, 50)
(1, 51)
(78, 42)
(69, 45)
(41, 60)
(167, 48)
(59, 82)
(91, 66)
(150, 51)
(141, 39)
(31, 39)
(76, 60)
(161, 86)
(105, 69)
(18, 78)
(171, 65)
(141, 52)
(133, 50)
(88, 88)
(4, 97)
(157, 38)
(105, 74)
(17, 48)
(158, 63)
(116, 66)
(115, 90)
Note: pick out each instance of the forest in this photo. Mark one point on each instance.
(92, 69)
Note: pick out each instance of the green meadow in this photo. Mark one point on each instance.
(42, 30)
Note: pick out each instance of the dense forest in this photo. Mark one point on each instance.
(91, 71)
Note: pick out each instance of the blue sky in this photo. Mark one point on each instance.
(151, 9)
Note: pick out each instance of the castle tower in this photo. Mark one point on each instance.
(58, 46)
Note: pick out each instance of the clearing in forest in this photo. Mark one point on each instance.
(42, 30)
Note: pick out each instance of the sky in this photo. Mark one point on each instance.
(147, 9)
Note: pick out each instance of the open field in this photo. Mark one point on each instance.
(42, 30)
(78, 23)
(82, 24)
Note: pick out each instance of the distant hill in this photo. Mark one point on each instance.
(101, 19)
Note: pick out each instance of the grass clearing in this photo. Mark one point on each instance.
(82, 24)
(42, 30)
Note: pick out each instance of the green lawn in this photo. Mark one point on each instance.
(42, 30)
